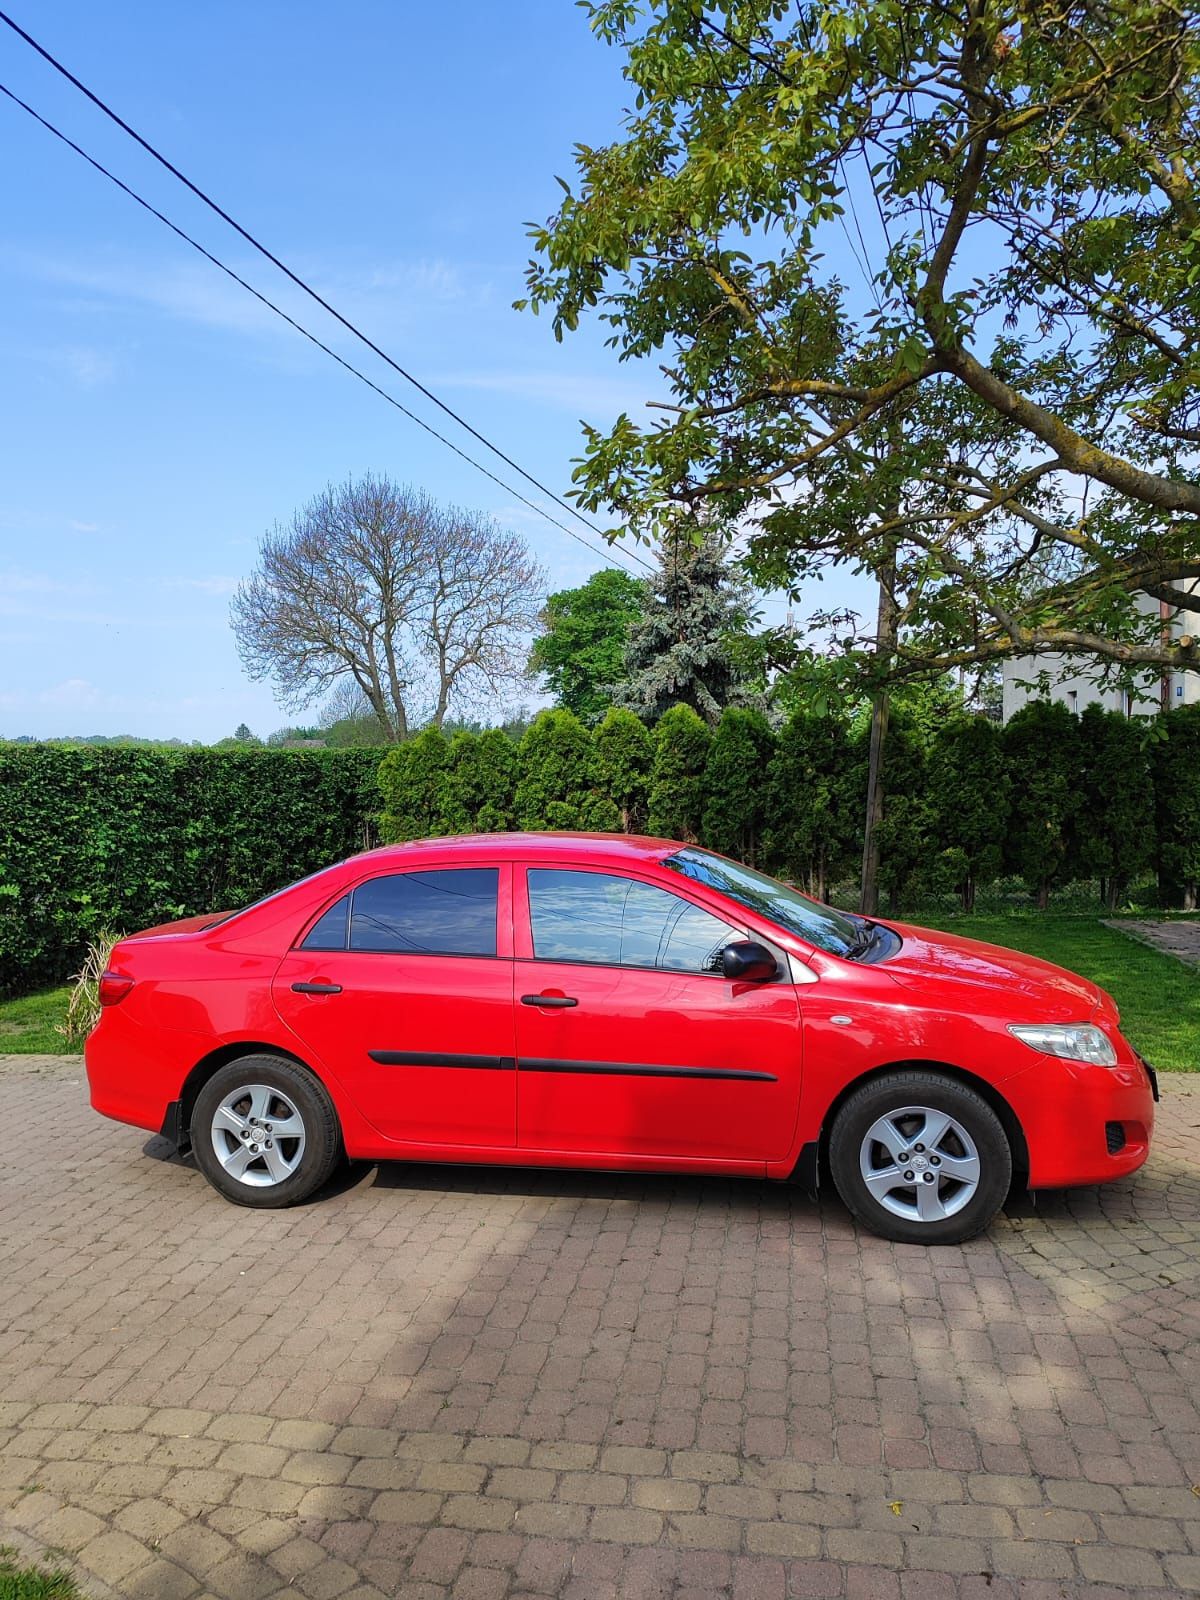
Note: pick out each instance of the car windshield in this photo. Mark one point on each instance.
(830, 930)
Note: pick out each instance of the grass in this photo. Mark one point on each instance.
(33, 1583)
(1159, 996)
(27, 1028)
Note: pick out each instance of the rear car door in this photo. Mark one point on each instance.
(403, 987)
(629, 1039)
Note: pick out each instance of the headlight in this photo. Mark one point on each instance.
(1075, 1041)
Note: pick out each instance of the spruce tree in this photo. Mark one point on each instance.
(681, 741)
(688, 646)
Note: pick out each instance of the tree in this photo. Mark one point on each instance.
(625, 754)
(1116, 842)
(689, 645)
(412, 778)
(417, 604)
(1177, 805)
(969, 793)
(557, 777)
(481, 775)
(999, 427)
(1041, 747)
(734, 792)
(243, 734)
(581, 648)
(681, 742)
(810, 831)
(904, 826)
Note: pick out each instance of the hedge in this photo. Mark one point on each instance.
(124, 838)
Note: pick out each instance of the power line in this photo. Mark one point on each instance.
(305, 333)
(294, 277)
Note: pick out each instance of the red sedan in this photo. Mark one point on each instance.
(621, 1003)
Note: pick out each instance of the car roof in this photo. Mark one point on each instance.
(615, 848)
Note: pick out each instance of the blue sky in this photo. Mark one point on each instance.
(156, 420)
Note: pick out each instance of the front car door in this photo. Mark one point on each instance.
(629, 1039)
(403, 987)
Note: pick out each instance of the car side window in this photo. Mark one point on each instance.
(450, 911)
(606, 920)
(330, 929)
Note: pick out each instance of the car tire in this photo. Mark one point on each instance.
(265, 1132)
(920, 1158)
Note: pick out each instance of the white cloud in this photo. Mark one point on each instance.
(83, 527)
(213, 586)
(576, 392)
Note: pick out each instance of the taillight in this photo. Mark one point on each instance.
(114, 986)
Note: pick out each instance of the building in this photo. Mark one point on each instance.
(1151, 692)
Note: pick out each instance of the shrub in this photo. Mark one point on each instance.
(734, 787)
(624, 756)
(811, 830)
(1177, 807)
(1042, 753)
(118, 837)
(969, 799)
(558, 773)
(676, 799)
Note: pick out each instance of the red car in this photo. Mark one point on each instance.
(612, 1002)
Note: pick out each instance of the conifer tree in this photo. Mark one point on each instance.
(969, 797)
(1041, 747)
(1177, 804)
(1116, 842)
(479, 782)
(557, 777)
(811, 831)
(688, 647)
(625, 753)
(734, 787)
(412, 777)
(681, 742)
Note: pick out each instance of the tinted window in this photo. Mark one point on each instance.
(450, 912)
(618, 922)
(329, 930)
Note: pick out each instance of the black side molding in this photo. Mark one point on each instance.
(437, 1058)
(634, 1069)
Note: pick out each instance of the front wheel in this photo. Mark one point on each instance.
(920, 1158)
(265, 1132)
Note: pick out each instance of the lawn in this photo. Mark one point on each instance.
(27, 1027)
(32, 1583)
(1159, 996)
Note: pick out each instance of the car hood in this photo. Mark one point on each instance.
(946, 961)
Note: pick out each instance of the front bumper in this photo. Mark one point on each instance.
(1084, 1124)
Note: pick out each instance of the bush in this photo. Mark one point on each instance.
(1177, 807)
(1044, 759)
(734, 784)
(558, 782)
(681, 741)
(118, 837)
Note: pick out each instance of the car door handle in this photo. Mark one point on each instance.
(316, 988)
(548, 1000)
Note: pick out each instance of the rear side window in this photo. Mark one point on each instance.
(609, 921)
(330, 930)
(449, 912)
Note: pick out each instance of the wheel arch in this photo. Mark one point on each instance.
(1009, 1120)
(220, 1057)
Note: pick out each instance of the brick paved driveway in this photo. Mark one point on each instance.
(488, 1385)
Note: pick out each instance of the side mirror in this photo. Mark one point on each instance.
(747, 961)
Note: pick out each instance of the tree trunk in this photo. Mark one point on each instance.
(968, 893)
(1043, 894)
(885, 643)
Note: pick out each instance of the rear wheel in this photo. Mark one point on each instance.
(265, 1132)
(920, 1158)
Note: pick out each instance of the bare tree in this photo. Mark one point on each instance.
(422, 607)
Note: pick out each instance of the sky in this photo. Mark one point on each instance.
(156, 421)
